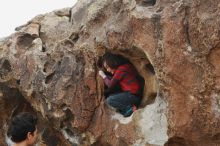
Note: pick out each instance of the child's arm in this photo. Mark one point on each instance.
(112, 82)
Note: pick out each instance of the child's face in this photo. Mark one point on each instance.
(108, 68)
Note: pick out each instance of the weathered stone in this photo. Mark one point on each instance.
(49, 66)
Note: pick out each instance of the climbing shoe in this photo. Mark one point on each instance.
(130, 111)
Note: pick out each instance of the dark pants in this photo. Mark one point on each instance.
(123, 101)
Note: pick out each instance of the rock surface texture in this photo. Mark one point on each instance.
(48, 67)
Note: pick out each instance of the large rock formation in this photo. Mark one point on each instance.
(48, 67)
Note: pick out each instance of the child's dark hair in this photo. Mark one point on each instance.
(114, 60)
(21, 125)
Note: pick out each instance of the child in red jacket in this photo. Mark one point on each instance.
(126, 76)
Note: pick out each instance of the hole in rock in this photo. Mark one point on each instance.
(13, 101)
(25, 40)
(145, 69)
(74, 37)
(18, 82)
(177, 141)
(49, 78)
(5, 67)
(146, 2)
(48, 66)
(43, 49)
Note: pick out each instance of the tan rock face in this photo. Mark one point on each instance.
(49, 68)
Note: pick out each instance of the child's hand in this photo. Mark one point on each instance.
(102, 74)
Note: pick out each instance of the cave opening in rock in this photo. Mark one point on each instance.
(146, 71)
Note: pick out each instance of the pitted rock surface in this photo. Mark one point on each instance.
(49, 67)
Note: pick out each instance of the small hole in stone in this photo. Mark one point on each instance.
(74, 37)
(146, 2)
(24, 41)
(6, 66)
(49, 78)
(43, 49)
(18, 82)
